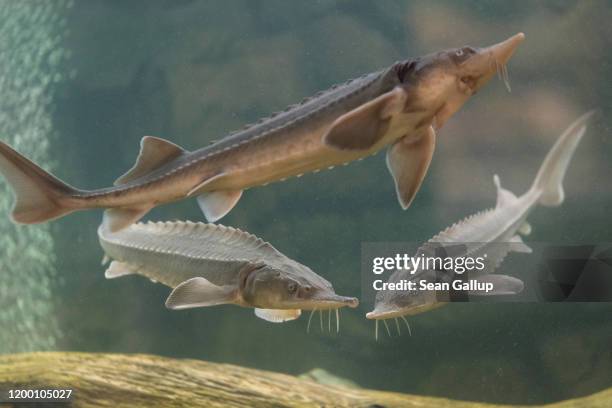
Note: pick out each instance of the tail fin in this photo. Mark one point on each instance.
(549, 181)
(39, 196)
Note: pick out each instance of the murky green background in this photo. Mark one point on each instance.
(110, 72)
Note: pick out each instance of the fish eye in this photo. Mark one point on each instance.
(464, 52)
(292, 287)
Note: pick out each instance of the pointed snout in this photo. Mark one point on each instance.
(382, 313)
(387, 311)
(483, 65)
(334, 301)
(372, 315)
(503, 51)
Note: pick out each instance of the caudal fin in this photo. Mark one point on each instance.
(39, 196)
(549, 181)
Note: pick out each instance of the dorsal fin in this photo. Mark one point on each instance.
(154, 153)
(504, 197)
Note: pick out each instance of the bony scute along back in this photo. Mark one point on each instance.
(490, 235)
(400, 107)
(208, 265)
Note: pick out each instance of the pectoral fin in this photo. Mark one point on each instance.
(278, 315)
(199, 292)
(363, 127)
(502, 285)
(408, 163)
(504, 197)
(116, 219)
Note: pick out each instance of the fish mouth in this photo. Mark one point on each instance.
(488, 61)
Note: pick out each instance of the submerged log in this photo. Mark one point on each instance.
(119, 380)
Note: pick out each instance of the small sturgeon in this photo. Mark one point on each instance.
(494, 232)
(209, 264)
(398, 106)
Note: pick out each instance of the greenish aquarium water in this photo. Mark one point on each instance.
(81, 82)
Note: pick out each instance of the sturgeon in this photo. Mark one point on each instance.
(397, 107)
(208, 264)
(493, 232)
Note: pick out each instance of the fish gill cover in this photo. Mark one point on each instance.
(31, 57)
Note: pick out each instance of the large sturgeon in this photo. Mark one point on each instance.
(208, 264)
(399, 106)
(491, 234)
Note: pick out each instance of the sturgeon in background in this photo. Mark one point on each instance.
(209, 265)
(494, 232)
(397, 107)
